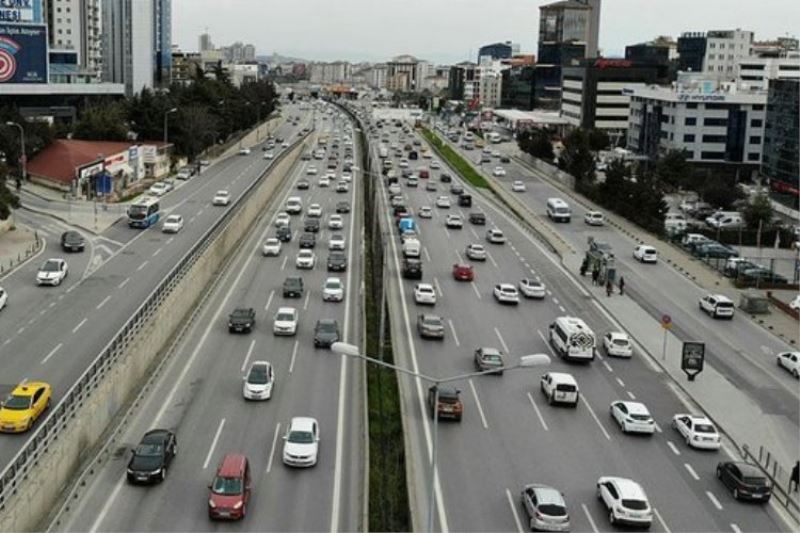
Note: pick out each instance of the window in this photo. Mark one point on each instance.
(691, 105)
(752, 156)
(756, 123)
(712, 155)
(715, 122)
(755, 139)
(758, 107)
(690, 121)
(714, 138)
(688, 138)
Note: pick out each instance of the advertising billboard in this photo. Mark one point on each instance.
(21, 11)
(23, 53)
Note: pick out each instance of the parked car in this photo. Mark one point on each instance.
(715, 250)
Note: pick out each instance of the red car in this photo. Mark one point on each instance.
(424, 174)
(230, 490)
(463, 272)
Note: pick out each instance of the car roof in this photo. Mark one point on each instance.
(327, 321)
(448, 392)
(618, 335)
(302, 423)
(425, 286)
(28, 388)
(747, 469)
(720, 297)
(287, 310)
(231, 465)
(635, 407)
(508, 286)
(155, 436)
(697, 419)
(488, 350)
(546, 494)
(563, 377)
(628, 489)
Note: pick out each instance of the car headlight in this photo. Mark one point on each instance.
(130, 471)
(212, 504)
(154, 472)
(238, 505)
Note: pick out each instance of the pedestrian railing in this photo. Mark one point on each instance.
(783, 490)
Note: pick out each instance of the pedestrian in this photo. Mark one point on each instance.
(609, 288)
(595, 276)
(621, 285)
(584, 266)
(19, 184)
(795, 479)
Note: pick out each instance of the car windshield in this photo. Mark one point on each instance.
(301, 437)
(17, 403)
(431, 321)
(704, 428)
(149, 450)
(492, 359)
(258, 375)
(50, 266)
(227, 486)
(326, 327)
(621, 342)
(636, 505)
(333, 284)
(283, 317)
(173, 218)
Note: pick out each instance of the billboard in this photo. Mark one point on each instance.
(23, 53)
(21, 11)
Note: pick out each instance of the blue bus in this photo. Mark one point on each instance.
(143, 213)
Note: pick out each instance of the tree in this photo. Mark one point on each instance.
(759, 211)
(105, 121)
(674, 169)
(577, 158)
(598, 140)
(195, 125)
(536, 143)
(718, 192)
(8, 200)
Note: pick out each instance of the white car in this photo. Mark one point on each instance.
(324, 181)
(314, 211)
(435, 165)
(311, 170)
(3, 298)
(158, 189)
(284, 144)
(172, 224)
(285, 321)
(222, 197)
(625, 501)
(788, 360)
(495, 236)
(518, 186)
(698, 431)
(301, 442)
(272, 247)
(269, 155)
(347, 177)
(424, 294)
(498, 172)
(645, 254)
(476, 252)
(282, 219)
(244, 151)
(717, 306)
(506, 293)
(305, 259)
(618, 344)
(52, 272)
(632, 417)
(259, 381)
(594, 218)
(335, 221)
(795, 303)
(333, 290)
(454, 221)
(425, 212)
(403, 163)
(336, 242)
(394, 188)
(443, 202)
(342, 186)
(560, 387)
(530, 288)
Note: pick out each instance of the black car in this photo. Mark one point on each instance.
(413, 155)
(343, 207)
(311, 224)
(445, 178)
(293, 287)
(308, 240)
(242, 320)
(505, 159)
(477, 218)
(72, 241)
(152, 457)
(303, 185)
(412, 268)
(745, 481)
(283, 234)
(465, 200)
(337, 261)
(326, 332)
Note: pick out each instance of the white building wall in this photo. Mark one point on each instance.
(723, 53)
(757, 71)
(142, 39)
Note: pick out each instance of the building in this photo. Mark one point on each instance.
(490, 86)
(775, 48)
(249, 52)
(185, 66)
(74, 30)
(462, 81)
(376, 76)
(714, 53)
(130, 34)
(162, 42)
(719, 124)
(205, 43)
(758, 71)
(498, 50)
(517, 88)
(243, 73)
(595, 97)
(661, 52)
(401, 73)
(781, 153)
(335, 72)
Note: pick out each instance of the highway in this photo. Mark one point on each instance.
(53, 333)
(199, 396)
(509, 435)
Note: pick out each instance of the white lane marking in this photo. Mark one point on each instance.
(214, 443)
(589, 517)
(191, 220)
(80, 324)
(285, 259)
(72, 288)
(549, 347)
(591, 411)
(478, 403)
(735, 528)
(438, 287)
(31, 321)
(42, 312)
(249, 353)
(538, 412)
(427, 255)
(53, 304)
(106, 506)
(562, 309)
(20, 330)
(269, 300)
(691, 471)
(157, 252)
(104, 302)
(502, 341)
(447, 232)
(169, 241)
(144, 264)
(52, 352)
(491, 258)
(200, 212)
(674, 448)
(514, 511)
(621, 383)
(453, 330)
(305, 304)
(555, 301)
(294, 356)
(608, 367)
(274, 445)
(658, 428)
(663, 524)
(7, 341)
(631, 395)
(600, 357)
(475, 288)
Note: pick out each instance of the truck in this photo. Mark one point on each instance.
(411, 247)
(242, 320)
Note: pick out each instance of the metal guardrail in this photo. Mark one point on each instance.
(780, 478)
(49, 429)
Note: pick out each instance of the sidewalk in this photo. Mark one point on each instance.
(88, 216)
(17, 246)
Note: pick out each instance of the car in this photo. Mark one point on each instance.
(425, 212)
(645, 254)
(560, 387)
(272, 247)
(301, 442)
(293, 287)
(343, 207)
(761, 274)
(403, 163)
(545, 508)
(454, 221)
(172, 224)
(187, 172)
(632, 417)
(335, 221)
(269, 155)
(347, 177)
(794, 305)
(307, 240)
(326, 332)
(412, 268)
(229, 491)
(518, 186)
(412, 181)
(324, 181)
(715, 250)
(625, 501)
(52, 272)
(498, 172)
(152, 457)
(445, 178)
(285, 321)
(477, 218)
(314, 211)
(531, 288)
(242, 320)
(282, 219)
(617, 344)
(158, 189)
(506, 293)
(697, 431)
(449, 403)
(489, 359)
(336, 241)
(717, 306)
(311, 170)
(303, 184)
(342, 186)
(435, 165)
(505, 159)
(788, 360)
(294, 205)
(333, 290)
(745, 481)
(3, 298)
(594, 218)
(463, 272)
(24, 405)
(284, 144)
(495, 236)
(283, 234)
(305, 259)
(394, 189)
(476, 252)
(244, 151)
(311, 224)
(431, 186)
(397, 200)
(443, 202)
(337, 261)
(72, 241)
(424, 294)
(430, 326)
(221, 197)
(456, 189)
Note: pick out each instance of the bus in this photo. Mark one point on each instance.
(143, 213)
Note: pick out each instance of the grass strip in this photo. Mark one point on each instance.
(455, 160)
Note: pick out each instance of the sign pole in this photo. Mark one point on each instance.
(664, 346)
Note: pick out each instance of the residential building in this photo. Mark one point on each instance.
(714, 53)
(490, 88)
(162, 42)
(249, 52)
(185, 66)
(758, 71)
(401, 73)
(335, 72)
(74, 35)
(129, 42)
(242, 73)
(376, 76)
(463, 81)
(781, 154)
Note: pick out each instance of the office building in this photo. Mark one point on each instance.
(74, 35)
(401, 73)
(517, 88)
(714, 53)
(661, 52)
(498, 50)
(758, 71)
(162, 42)
(334, 72)
(781, 154)
(205, 42)
(376, 76)
(462, 81)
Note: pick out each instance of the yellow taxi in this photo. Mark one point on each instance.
(24, 406)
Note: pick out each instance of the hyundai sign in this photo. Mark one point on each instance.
(23, 53)
(21, 11)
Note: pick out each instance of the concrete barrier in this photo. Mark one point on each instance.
(46, 480)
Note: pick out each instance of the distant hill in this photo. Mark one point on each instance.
(276, 58)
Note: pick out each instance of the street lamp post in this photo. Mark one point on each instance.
(526, 361)
(166, 123)
(23, 157)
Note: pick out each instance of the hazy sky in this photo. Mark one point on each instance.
(447, 31)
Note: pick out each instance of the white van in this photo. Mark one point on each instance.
(571, 338)
(294, 205)
(725, 220)
(411, 247)
(558, 210)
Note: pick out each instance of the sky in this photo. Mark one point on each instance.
(448, 31)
